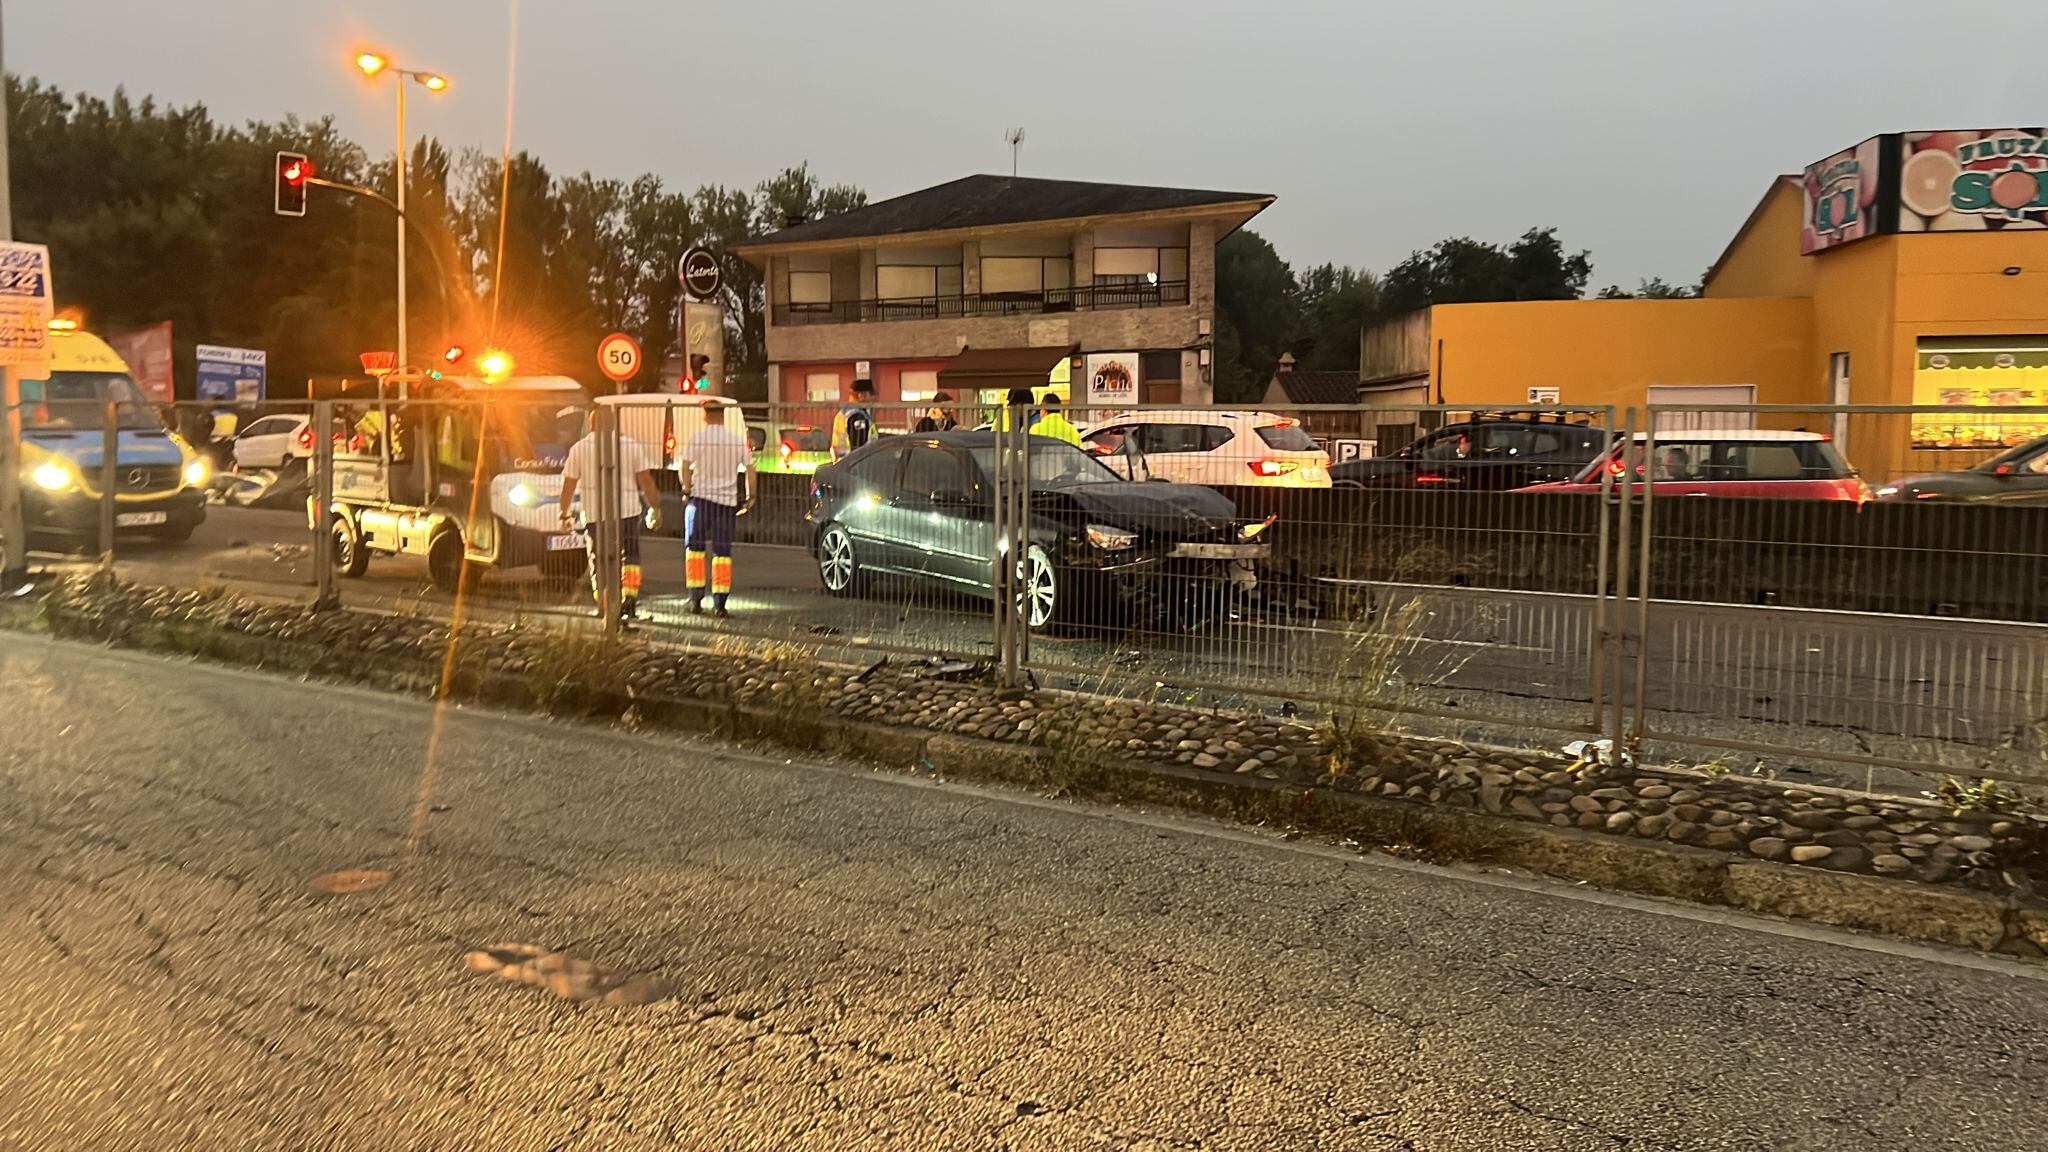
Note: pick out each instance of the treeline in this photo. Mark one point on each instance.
(159, 213)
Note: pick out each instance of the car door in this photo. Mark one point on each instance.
(869, 513)
(1175, 452)
(939, 512)
(1113, 446)
(2023, 480)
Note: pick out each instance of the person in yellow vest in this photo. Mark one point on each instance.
(1052, 423)
(1016, 410)
(852, 426)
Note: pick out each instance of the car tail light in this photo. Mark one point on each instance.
(306, 437)
(2002, 470)
(1272, 467)
(788, 449)
(1616, 468)
(1283, 423)
(668, 446)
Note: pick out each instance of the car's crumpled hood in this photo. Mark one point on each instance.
(1177, 511)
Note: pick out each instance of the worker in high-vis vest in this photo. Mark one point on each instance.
(710, 467)
(1051, 422)
(852, 426)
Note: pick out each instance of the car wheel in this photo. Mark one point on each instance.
(351, 559)
(446, 565)
(838, 566)
(1044, 593)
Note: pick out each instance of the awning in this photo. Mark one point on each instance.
(988, 369)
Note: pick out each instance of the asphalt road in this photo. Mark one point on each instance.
(864, 961)
(1498, 667)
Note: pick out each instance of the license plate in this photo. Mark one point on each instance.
(138, 519)
(1223, 551)
(566, 542)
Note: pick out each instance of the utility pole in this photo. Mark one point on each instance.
(13, 538)
(403, 363)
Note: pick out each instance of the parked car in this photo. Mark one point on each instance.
(1200, 446)
(276, 441)
(1485, 455)
(1101, 548)
(1758, 463)
(2016, 476)
(799, 449)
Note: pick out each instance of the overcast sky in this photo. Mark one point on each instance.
(1644, 129)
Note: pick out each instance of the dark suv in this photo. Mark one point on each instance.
(1484, 454)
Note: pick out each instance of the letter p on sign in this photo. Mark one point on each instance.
(618, 355)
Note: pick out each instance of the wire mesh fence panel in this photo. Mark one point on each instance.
(1282, 552)
(1802, 608)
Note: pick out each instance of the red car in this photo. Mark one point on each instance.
(1749, 462)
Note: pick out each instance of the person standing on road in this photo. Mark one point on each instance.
(938, 417)
(852, 426)
(637, 496)
(1052, 423)
(711, 464)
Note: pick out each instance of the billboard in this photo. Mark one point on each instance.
(234, 375)
(148, 353)
(1112, 379)
(1973, 181)
(25, 308)
(1842, 196)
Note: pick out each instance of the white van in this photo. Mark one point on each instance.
(662, 424)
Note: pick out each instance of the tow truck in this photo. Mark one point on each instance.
(460, 471)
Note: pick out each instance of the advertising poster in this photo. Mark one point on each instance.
(1112, 379)
(1841, 197)
(25, 308)
(1973, 181)
(148, 353)
(234, 375)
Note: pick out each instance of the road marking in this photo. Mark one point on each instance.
(1267, 840)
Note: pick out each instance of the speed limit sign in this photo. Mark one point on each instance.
(619, 356)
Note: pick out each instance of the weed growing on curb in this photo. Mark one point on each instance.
(1076, 764)
(1982, 796)
(574, 670)
(1373, 677)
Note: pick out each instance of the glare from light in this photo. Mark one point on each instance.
(51, 477)
(371, 63)
(195, 473)
(495, 365)
(434, 81)
(63, 324)
(522, 495)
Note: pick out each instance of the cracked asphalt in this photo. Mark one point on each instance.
(865, 961)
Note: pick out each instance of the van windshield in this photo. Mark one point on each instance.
(73, 400)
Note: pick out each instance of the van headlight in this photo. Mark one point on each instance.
(195, 472)
(51, 477)
(521, 495)
(1251, 531)
(1111, 539)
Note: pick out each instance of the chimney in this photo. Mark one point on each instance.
(1287, 362)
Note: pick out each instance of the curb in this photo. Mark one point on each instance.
(1939, 914)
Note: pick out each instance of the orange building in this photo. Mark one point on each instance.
(1911, 269)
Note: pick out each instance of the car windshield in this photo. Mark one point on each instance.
(1286, 438)
(2006, 461)
(1054, 464)
(69, 400)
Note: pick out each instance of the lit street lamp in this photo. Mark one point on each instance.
(374, 65)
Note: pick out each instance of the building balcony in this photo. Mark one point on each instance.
(1092, 298)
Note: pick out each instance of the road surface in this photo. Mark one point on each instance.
(863, 961)
(1497, 667)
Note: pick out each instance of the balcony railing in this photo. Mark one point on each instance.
(1092, 298)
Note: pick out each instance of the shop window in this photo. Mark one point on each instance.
(822, 386)
(1160, 367)
(918, 384)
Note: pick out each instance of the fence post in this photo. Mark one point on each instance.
(1619, 647)
(321, 513)
(602, 528)
(1598, 647)
(110, 451)
(1635, 727)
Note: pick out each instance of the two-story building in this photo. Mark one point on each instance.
(1102, 293)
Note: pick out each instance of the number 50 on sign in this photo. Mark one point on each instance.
(618, 355)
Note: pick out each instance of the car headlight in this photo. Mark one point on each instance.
(195, 473)
(521, 495)
(51, 477)
(1887, 491)
(1251, 531)
(1111, 539)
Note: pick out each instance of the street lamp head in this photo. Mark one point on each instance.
(434, 81)
(371, 63)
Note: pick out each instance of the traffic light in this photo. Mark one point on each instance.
(700, 372)
(293, 170)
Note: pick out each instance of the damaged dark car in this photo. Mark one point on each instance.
(1102, 550)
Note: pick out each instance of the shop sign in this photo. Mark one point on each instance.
(1840, 195)
(1973, 181)
(1112, 379)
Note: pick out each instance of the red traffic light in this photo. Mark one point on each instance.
(296, 171)
(293, 170)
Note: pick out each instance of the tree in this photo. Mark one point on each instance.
(1256, 296)
(1466, 271)
(1336, 302)
(1652, 289)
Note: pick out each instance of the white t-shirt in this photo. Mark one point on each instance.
(716, 456)
(581, 466)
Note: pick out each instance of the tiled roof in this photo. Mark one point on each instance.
(1318, 387)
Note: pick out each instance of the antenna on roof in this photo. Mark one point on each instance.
(1015, 139)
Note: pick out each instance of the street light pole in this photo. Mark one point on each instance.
(13, 530)
(403, 363)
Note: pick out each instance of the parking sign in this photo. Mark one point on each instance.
(25, 308)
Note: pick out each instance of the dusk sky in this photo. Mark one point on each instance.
(1645, 130)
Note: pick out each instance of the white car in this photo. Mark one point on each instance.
(274, 441)
(1204, 446)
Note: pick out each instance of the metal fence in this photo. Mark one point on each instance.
(1766, 586)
